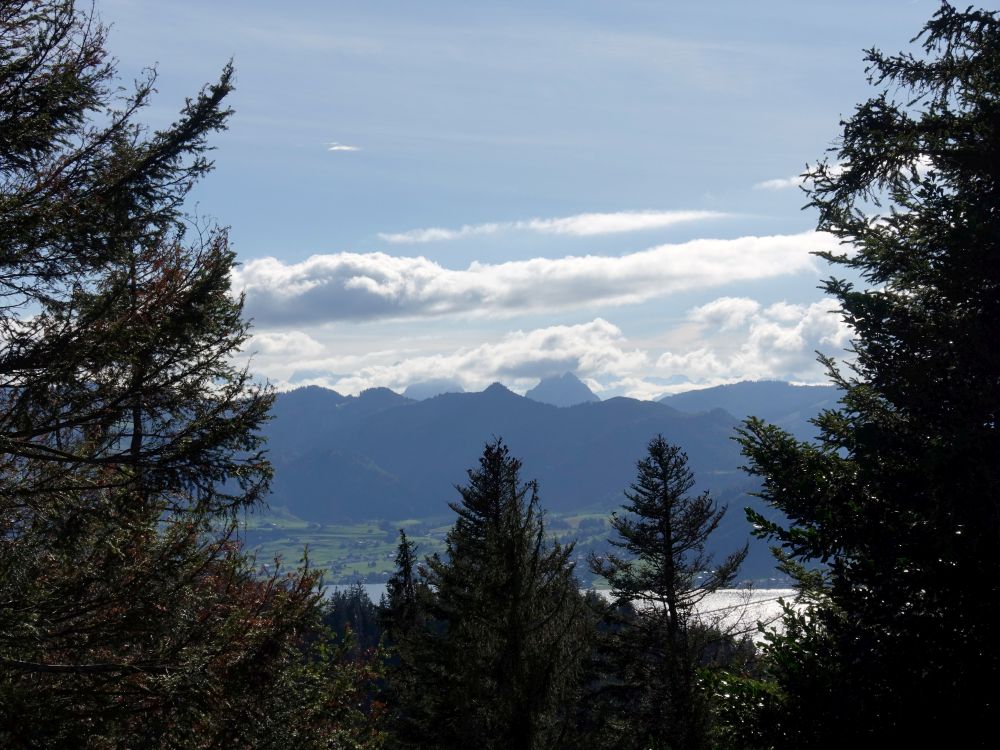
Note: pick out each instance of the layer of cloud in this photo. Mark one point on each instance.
(519, 359)
(778, 341)
(287, 344)
(738, 339)
(580, 225)
(725, 313)
(780, 183)
(341, 147)
(378, 286)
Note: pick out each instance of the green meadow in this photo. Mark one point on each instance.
(365, 551)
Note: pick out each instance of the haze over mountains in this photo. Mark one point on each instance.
(783, 404)
(383, 455)
(431, 388)
(559, 390)
(563, 390)
(380, 455)
(786, 405)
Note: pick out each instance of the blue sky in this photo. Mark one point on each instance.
(501, 191)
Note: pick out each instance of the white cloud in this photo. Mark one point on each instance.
(285, 343)
(580, 225)
(378, 286)
(341, 147)
(632, 386)
(780, 183)
(740, 339)
(596, 349)
(799, 180)
(725, 312)
(779, 341)
(437, 234)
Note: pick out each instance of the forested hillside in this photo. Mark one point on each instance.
(138, 449)
(380, 457)
(401, 456)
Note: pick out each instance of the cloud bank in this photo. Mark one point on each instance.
(378, 286)
(580, 225)
(778, 341)
(735, 338)
(520, 359)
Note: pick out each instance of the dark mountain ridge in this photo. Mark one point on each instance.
(380, 455)
(563, 390)
(783, 404)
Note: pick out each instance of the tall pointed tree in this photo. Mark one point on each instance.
(899, 497)
(400, 610)
(128, 439)
(498, 660)
(665, 573)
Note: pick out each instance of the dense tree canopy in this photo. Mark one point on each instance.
(899, 498)
(495, 662)
(128, 439)
(129, 445)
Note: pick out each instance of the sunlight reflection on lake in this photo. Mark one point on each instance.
(733, 610)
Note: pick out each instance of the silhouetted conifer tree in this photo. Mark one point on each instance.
(128, 438)
(497, 663)
(399, 611)
(899, 497)
(657, 646)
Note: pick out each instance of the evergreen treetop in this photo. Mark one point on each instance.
(658, 646)
(129, 440)
(495, 660)
(899, 496)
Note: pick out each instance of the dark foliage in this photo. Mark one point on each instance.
(491, 655)
(401, 611)
(899, 497)
(354, 618)
(128, 439)
(658, 647)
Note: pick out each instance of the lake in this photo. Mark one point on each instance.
(734, 610)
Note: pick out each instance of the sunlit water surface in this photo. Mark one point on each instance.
(735, 611)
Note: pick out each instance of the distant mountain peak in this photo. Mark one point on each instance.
(314, 390)
(381, 397)
(377, 391)
(424, 389)
(562, 390)
(499, 388)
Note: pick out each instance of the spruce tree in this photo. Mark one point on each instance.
(403, 617)
(129, 441)
(897, 501)
(658, 645)
(496, 664)
(399, 611)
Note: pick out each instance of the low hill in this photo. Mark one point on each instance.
(783, 404)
